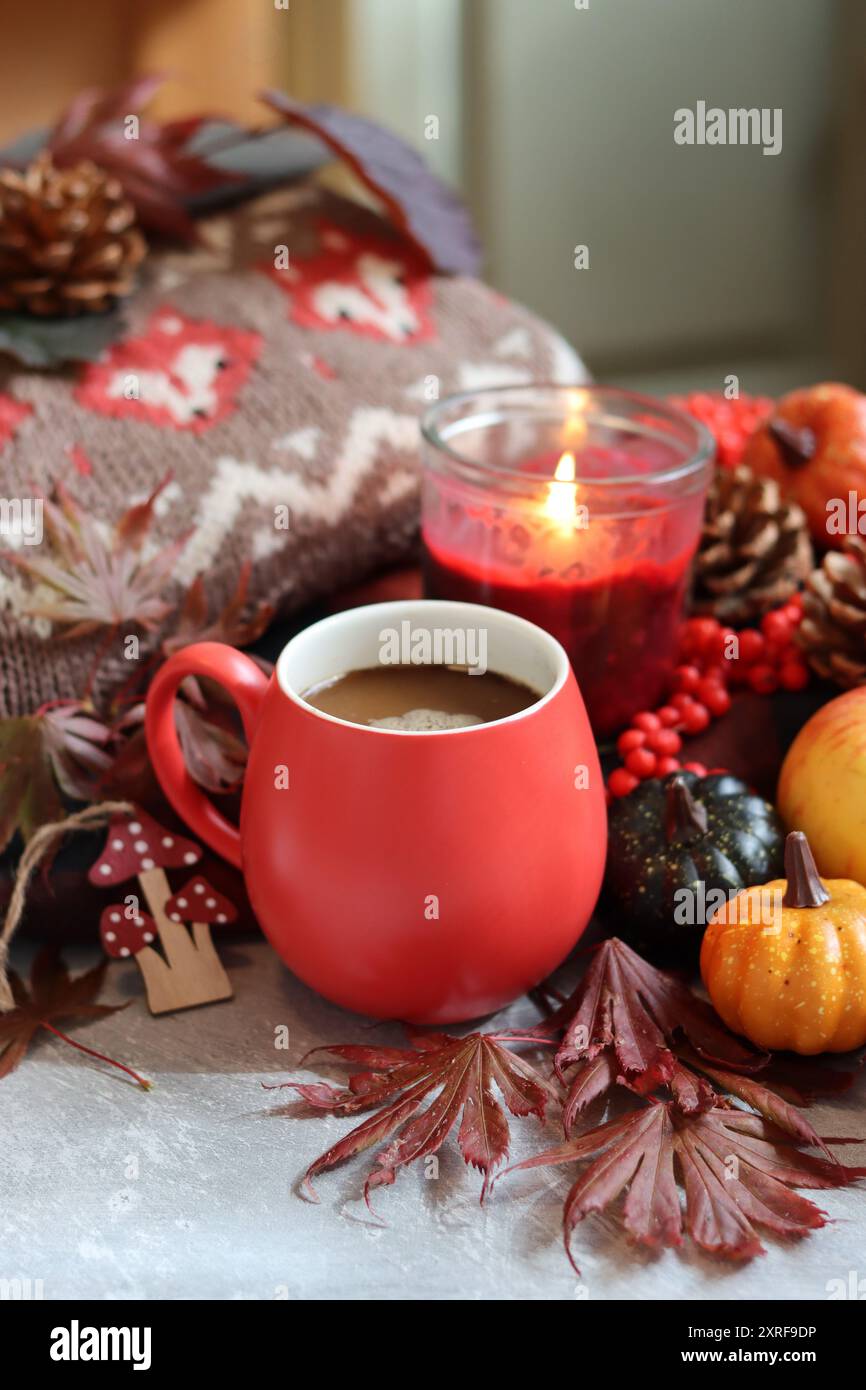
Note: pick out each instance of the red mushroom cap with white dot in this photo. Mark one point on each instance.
(199, 901)
(124, 935)
(138, 843)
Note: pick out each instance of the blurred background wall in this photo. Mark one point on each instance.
(555, 120)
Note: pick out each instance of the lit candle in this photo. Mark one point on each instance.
(579, 510)
(561, 501)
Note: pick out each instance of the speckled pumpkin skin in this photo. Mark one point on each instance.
(743, 844)
(800, 988)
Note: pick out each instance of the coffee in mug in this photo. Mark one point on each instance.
(421, 698)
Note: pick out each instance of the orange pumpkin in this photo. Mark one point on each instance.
(814, 445)
(785, 963)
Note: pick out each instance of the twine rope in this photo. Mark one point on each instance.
(91, 818)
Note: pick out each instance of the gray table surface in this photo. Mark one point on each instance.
(189, 1191)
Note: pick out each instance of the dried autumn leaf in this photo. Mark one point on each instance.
(214, 755)
(41, 342)
(626, 1008)
(459, 1075)
(53, 995)
(90, 583)
(738, 1172)
(28, 793)
(801, 1079)
(159, 173)
(755, 1091)
(77, 743)
(234, 624)
(61, 748)
(417, 202)
(617, 1025)
(209, 731)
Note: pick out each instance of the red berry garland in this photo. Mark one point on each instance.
(730, 422)
(713, 658)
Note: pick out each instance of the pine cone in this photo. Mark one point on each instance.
(833, 631)
(68, 240)
(754, 551)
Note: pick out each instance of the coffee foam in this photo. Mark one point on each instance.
(425, 721)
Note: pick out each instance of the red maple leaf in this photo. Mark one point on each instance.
(625, 1024)
(737, 1169)
(620, 1024)
(756, 1092)
(53, 994)
(158, 172)
(459, 1072)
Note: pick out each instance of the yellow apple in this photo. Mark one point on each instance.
(822, 786)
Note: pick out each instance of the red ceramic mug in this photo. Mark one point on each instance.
(427, 876)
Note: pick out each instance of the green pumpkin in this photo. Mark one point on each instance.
(674, 844)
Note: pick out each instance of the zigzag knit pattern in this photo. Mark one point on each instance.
(260, 381)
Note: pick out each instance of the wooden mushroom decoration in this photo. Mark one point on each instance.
(202, 906)
(125, 933)
(138, 847)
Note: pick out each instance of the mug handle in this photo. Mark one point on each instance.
(246, 683)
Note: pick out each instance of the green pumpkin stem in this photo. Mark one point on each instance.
(805, 888)
(685, 818)
(795, 445)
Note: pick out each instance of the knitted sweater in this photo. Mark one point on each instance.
(277, 373)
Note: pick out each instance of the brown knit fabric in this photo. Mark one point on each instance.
(257, 388)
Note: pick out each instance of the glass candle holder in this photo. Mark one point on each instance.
(579, 508)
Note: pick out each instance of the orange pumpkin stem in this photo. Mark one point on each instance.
(805, 888)
(795, 445)
(685, 818)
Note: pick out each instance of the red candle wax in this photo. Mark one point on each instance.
(620, 629)
(612, 593)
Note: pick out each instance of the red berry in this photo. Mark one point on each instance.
(731, 422)
(728, 442)
(793, 611)
(620, 782)
(697, 768)
(666, 766)
(776, 627)
(717, 673)
(707, 687)
(681, 701)
(641, 762)
(687, 678)
(752, 646)
(703, 633)
(632, 738)
(763, 679)
(669, 715)
(730, 637)
(665, 741)
(716, 698)
(776, 653)
(647, 721)
(793, 674)
(696, 718)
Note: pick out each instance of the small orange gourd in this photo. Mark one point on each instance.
(785, 963)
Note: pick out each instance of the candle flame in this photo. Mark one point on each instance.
(561, 501)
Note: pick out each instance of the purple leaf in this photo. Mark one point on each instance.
(418, 203)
